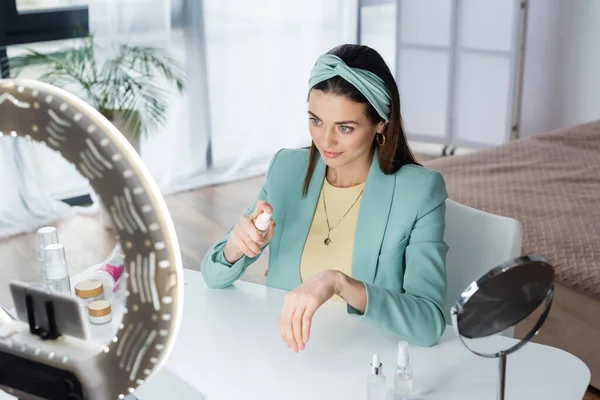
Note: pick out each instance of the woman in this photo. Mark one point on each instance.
(354, 218)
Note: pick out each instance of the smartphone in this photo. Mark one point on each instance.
(69, 313)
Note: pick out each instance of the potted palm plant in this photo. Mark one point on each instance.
(130, 88)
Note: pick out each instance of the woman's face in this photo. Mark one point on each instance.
(340, 128)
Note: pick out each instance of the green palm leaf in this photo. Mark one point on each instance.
(134, 83)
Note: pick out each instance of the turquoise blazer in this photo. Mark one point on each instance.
(399, 251)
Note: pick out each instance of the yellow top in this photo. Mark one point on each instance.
(317, 256)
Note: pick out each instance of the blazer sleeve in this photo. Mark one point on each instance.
(417, 314)
(217, 272)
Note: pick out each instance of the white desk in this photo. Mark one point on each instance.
(229, 347)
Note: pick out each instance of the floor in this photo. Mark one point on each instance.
(200, 217)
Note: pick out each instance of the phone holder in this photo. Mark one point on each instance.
(52, 332)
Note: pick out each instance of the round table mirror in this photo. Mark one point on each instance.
(32, 367)
(501, 299)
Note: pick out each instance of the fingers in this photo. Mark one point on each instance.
(251, 232)
(306, 323)
(243, 247)
(245, 238)
(297, 320)
(248, 239)
(261, 207)
(243, 242)
(300, 306)
(290, 336)
(285, 327)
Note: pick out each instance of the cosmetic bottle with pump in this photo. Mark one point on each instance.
(56, 272)
(45, 236)
(403, 378)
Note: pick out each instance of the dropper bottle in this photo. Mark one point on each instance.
(376, 385)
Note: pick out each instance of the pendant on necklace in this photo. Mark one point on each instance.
(327, 241)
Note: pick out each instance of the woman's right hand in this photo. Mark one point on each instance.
(245, 239)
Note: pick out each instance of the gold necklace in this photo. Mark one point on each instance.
(327, 240)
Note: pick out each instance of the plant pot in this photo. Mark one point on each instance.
(117, 120)
(115, 117)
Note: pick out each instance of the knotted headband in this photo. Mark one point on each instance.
(369, 84)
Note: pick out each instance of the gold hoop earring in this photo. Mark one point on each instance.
(380, 137)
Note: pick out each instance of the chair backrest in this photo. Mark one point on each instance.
(478, 241)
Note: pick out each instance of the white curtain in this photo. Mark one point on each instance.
(176, 150)
(248, 64)
(24, 205)
(259, 55)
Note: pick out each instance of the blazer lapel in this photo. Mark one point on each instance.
(297, 225)
(372, 222)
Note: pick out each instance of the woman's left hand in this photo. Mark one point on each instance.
(301, 304)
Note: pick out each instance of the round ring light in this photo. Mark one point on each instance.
(153, 306)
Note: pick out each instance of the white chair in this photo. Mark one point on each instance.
(478, 241)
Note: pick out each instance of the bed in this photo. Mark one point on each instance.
(551, 184)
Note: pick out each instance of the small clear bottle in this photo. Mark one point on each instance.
(376, 384)
(403, 378)
(56, 271)
(262, 223)
(45, 236)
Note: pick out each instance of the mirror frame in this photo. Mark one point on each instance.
(457, 309)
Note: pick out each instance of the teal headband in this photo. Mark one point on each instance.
(369, 84)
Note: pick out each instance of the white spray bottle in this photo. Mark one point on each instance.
(262, 223)
(403, 378)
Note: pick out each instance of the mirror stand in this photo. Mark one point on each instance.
(502, 355)
(502, 375)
